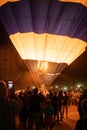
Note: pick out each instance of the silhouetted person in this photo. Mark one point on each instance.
(8, 108)
(81, 124)
(65, 103)
(49, 113)
(60, 97)
(82, 97)
(54, 100)
(35, 110)
(23, 116)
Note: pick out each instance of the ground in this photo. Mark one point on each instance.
(67, 123)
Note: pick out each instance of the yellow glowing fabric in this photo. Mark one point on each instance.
(48, 47)
(84, 2)
(2, 2)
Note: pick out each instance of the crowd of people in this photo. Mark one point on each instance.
(44, 110)
(32, 107)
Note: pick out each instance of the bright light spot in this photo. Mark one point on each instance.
(78, 85)
(33, 87)
(42, 65)
(56, 86)
(65, 88)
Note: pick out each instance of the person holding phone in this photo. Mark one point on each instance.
(8, 108)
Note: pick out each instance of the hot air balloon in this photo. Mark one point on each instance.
(2, 2)
(48, 34)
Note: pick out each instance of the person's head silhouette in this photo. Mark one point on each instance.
(3, 89)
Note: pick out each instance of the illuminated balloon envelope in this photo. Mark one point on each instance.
(84, 2)
(2, 2)
(48, 34)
